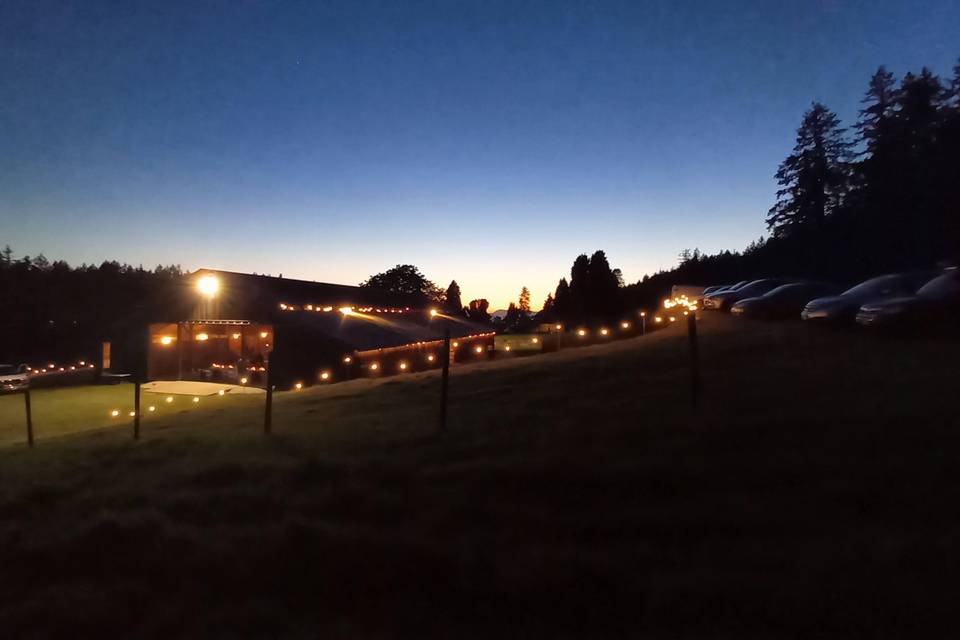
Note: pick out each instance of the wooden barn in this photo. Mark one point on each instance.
(232, 326)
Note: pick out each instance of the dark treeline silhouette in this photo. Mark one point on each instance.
(882, 197)
(593, 293)
(52, 311)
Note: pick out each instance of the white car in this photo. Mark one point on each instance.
(13, 378)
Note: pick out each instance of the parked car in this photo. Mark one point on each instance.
(844, 307)
(708, 302)
(714, 289)
(785, 301)
(724, 300)
(13, 378)
(936, 302)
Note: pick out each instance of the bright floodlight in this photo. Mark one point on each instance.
(208, 286)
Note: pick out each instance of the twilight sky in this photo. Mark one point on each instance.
(485, 141)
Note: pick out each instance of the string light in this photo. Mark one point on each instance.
(347, 359)
(535, 340)
(236, 336)
(264, 334)
(243, 381)
(221, 392)
(507, 348)
(456, 344)
(325, 375)
(658, 319)
(403, 366)
(624, 325)
(346, 310)
(374, 366)
(202, 337)
(133, 413)
(151, 408)
(672, 319)
(603, 332)
(115, 413)
(196, 399)
(169, 399)
(298, 386)
(581, 332)
(479, 349)
(430, 358)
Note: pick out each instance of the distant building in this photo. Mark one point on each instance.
(221, 325)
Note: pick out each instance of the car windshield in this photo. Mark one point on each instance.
(947, 285)
(788, 289)
(889, 285)
(758, 287)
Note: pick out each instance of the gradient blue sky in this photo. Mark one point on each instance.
(484, 141)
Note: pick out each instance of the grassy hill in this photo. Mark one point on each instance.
(578, 494)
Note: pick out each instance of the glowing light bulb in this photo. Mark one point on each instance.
(581, 332)
(236, 336)
(298, 386)
(346, 310)
(347, 359)
(243, 381)
(221, 392)
(196, 399)
(202, 337)
(456, 344)
(478, 349)
(430, 358)
(263, 334)
(603, 332)
(433, 312)
(325, 375)
(507, 348)
(403, 366)
(166, 340)
(151, 408)
(169, 399)
(536, 340)
(208, 286)
(115, 413)
(374, 366)
(133, 413)
(625, 325)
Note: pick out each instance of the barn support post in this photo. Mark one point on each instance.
(695, 382)
(26, 406)
(136, 409)
(444, 380)
(268, 409)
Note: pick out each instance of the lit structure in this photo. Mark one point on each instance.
(233, 327)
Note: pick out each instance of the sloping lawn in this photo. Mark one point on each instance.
(811, 493)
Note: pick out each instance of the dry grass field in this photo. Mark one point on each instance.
(812, 492)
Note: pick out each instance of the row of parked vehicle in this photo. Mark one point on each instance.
(899, 299)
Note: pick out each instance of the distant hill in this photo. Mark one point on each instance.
(499, 314)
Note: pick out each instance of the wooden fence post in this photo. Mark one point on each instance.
(695, 383)
(26, 403)
(268, 411)
(444, 380)
(136, 410)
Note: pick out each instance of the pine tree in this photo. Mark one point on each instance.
(815, 177)
(561, 298)
(524, 302)
(452, 305)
